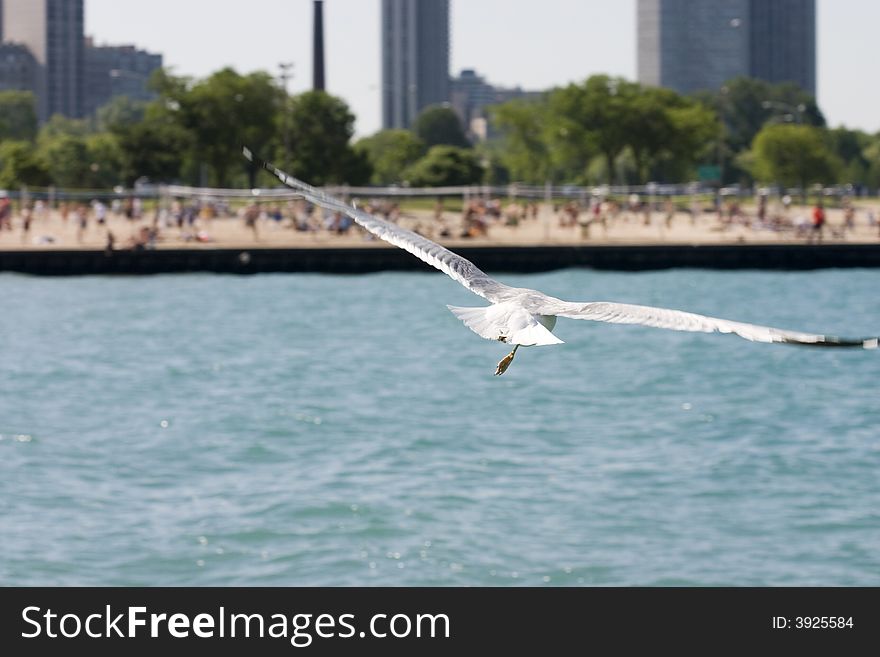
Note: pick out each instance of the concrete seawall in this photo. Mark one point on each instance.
(490, 258)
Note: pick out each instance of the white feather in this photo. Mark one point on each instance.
(506, 322)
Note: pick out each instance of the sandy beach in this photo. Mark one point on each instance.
(49, 231)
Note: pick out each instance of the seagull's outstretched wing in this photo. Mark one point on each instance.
(456, 267)
(677, 320)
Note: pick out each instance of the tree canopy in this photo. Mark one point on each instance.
(744, 105)
(446, 166)
(20, 165)
(561, 135)
(322, 127)
(390, 152)
(603, 129)
(18, 115)
(793, 155)
(439, 125)
(221, 113)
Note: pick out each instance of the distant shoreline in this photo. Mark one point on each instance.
(371, 257)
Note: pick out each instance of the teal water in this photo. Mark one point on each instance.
(329, 430)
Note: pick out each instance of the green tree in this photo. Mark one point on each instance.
(390, 152)
(446, 166)
(793, 155)
(439, 125)
(746, 104)
(321, 130)
(872, 157)
(695, 132)
(594, 115)
(59, 125)
(650, 126)
(66, 157)
(491, 156)
(105, 158)
(18, 115)
(526, 151)
(120, 111)
(851, 147)
(221, 113)
(20, 165)
(155, 147)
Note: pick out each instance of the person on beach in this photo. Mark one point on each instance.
(5, 213)
(670, 213)
(27, 216)
(818, 223)
(599, 214)
(41, 212)
(762, 210)
(81, 218)
(849, 217)
(251, 214)
(100, 212)
(584, 221)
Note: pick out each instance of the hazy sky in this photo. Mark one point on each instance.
(535, 44)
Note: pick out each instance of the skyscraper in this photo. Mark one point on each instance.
(53, 32)
(415, 58)
(782, 44)
(18, 68)
(112, 71)
(470, 95)
(688, 45)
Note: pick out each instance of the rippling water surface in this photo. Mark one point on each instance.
(329, 430)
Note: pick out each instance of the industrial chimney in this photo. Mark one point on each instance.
(318, 42)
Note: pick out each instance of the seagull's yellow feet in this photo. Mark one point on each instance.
(505, 362)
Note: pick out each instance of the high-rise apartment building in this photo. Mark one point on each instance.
(415, 58)
(18, 68)
(782, 41)
(117, 71)
(53, 32)
(688, 45)
(471, 95)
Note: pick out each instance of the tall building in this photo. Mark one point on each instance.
(18, 68)
(53, 32)
(471, 95)
(117, 71)
(415, 58)
(688, 45)
(782, 44)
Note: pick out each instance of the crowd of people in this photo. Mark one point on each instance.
(192, 220)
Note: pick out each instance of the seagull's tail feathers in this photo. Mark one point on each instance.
(505, 323)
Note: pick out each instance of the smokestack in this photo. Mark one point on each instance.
(318, 54)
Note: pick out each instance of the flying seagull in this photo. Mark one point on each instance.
(525, 318)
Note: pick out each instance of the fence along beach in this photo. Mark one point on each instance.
(256, 228)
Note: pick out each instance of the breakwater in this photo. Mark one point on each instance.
(500, 258)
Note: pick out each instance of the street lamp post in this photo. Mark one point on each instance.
(792, 111)
(795, 112)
